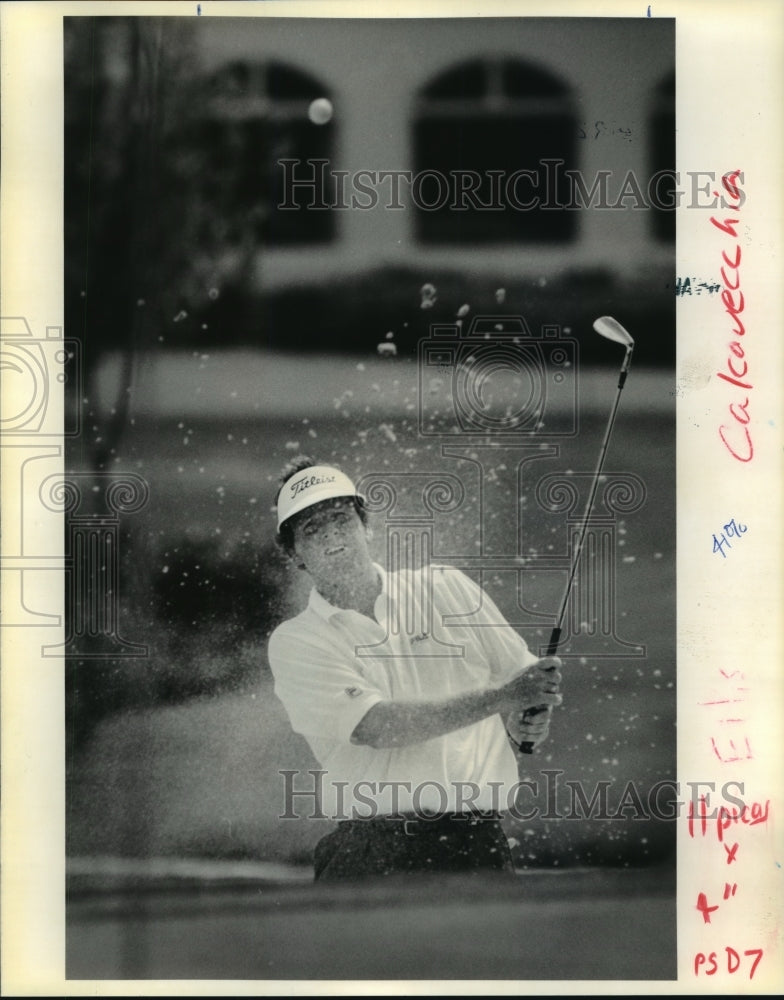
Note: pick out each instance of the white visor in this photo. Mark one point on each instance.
(312, 485)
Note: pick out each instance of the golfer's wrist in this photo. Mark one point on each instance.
(506, 702)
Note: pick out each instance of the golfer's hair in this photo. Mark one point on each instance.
(285, 534)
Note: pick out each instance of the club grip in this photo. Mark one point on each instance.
(552, 648)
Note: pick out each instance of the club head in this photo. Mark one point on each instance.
(611, 329)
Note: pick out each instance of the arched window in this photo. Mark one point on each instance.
(255, 116)
(662, 158)
(492, 139)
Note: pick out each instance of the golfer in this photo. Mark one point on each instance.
(412, 715)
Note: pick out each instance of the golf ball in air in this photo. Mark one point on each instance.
(320, 111)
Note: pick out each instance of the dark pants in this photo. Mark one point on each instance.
(391, 846)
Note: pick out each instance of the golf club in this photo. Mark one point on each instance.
(610, 329)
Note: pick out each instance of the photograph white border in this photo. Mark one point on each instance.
(729, 99)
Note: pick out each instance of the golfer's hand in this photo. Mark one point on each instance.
(538, 686)
(529, 727)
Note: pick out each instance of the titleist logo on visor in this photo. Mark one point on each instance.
(299, 485)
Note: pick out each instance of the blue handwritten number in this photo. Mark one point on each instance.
(730, 530)
(718, 545)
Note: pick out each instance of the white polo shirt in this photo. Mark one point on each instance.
(332, 665)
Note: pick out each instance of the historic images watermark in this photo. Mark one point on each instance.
(314, 185)
(545, 797)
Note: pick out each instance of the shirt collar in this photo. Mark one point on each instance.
(325, 610)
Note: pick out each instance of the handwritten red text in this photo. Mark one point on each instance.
(735, 436)
(733, 960)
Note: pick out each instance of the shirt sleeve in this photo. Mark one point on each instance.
(506, 650)
(323, 692)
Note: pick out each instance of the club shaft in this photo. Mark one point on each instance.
(555, 635)
(588, 509)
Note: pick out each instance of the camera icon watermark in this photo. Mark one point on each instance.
(505, 403)
(498, 378)
(32, 368)
(57, 525)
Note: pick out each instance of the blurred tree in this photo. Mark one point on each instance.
(122, 225)
(146, 245)
(129, 222)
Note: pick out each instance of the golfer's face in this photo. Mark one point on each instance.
(330, 538)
